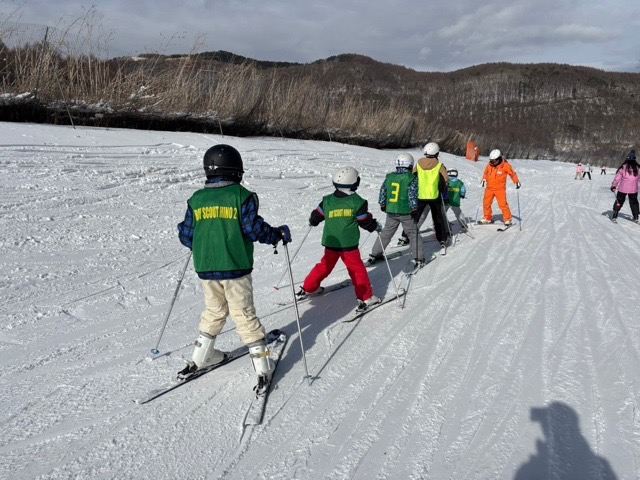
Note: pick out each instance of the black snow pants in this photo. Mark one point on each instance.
(438, 215)
(633, 203)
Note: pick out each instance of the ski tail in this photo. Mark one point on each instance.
(276, 343)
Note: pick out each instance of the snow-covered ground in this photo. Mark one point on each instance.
(516, 356)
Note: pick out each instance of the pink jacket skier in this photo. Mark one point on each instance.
(626, 183)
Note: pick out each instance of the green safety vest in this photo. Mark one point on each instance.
(428, 181)
(218, 242)
(455, 186)
(397, 185)
(340, 224)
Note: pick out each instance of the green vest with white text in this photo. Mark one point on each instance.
(218, 242)
(341, 229)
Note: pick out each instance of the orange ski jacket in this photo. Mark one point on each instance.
(496, 177)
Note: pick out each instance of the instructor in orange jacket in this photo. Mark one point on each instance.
(494, 180)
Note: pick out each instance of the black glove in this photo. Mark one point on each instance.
(315, 218)
(415, 215)
(613, 188)
(370, 226)
(518, 185)
(378, 227)
(383, 208)
(285, 234)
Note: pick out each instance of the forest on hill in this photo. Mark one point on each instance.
(537, 111)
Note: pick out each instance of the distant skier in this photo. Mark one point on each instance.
(398, 198)
(587, 171)
(220, 225)
(626, 182)
(456, 192)
(579, 172)
(432, 187)
(603, 170)
(343, 212)
(494, 180)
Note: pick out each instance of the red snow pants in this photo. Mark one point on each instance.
(501, 196)
(355, 267)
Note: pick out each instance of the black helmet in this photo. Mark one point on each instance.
(631, 157)
(223, 161)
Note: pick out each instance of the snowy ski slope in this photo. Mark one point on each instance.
(516, 356)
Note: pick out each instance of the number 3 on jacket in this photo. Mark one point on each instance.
(395, 192)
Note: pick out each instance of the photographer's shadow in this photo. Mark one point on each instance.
(563, 453)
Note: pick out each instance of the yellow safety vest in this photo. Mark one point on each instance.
(428, 182)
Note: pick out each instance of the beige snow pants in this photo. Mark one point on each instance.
(235, 297)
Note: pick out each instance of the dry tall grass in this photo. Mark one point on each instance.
(269, 99)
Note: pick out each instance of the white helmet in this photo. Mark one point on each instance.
(431, 149)
(404, 160)
(495, 154)
(346, 177)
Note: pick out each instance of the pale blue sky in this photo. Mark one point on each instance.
(425, 35)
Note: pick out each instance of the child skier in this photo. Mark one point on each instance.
(457, 191)
(494, 180)
(579, 172)
(343, 212)
(398, 199)
(626, 182)
(220, 225)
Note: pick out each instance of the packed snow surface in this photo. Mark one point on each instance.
(516, 355)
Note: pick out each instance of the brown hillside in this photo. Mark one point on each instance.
(529, 111)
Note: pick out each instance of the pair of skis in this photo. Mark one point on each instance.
(504, 228)
(276, 343)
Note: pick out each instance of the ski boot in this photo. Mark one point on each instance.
(372, 260)
(418, 263)
(484, 221)
(301, 294)
(365, 304)
(403, 240)
(262, 364)
(204, 355)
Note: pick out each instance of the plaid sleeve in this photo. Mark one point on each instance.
(413, 194)
(253, 225)
(186, 227)
(382, 196)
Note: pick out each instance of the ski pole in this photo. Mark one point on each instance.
(444, 213)
(386, 260)
(295, 254)
(477, 210)
(295, 304)
(519, 214)
(155, 350)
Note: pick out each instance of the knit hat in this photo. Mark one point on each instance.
(631, 157)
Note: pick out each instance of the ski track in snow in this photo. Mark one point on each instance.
(502, 328)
